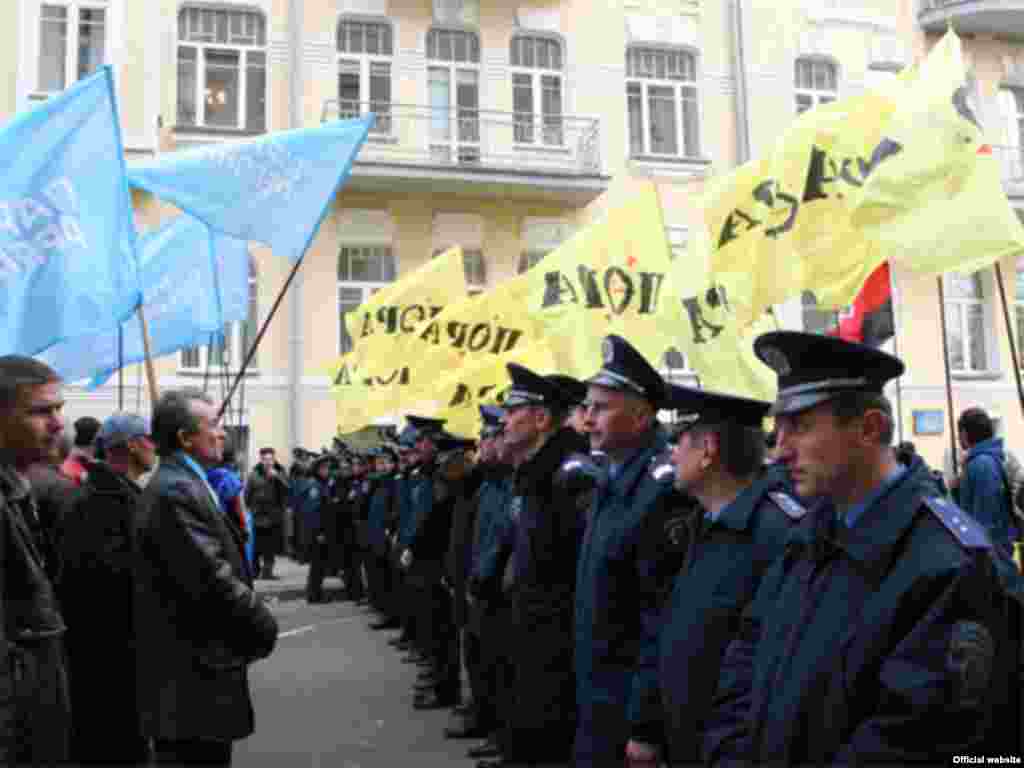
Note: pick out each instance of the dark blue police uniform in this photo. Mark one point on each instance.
(881, 637)
(623, 576)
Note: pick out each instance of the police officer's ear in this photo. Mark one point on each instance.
(874, 428)
(710, 443)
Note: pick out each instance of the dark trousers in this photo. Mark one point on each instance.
(354, 572)
(436, 627)
(378, 578)
(193, 753)
(268, 544)
(318, 555)
(472, 657)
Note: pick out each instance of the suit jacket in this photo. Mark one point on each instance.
(198, 621)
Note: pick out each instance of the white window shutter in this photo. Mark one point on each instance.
(1011, 157)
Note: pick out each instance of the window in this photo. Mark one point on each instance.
(661, 92)
(230, 352)
(362, 271)
(537, 90)
(453, 77)
(817, 320)
(1018, 311)
(475, 268)
(816, 83)
(1011, 108)
(365, 49)
(676, 368)
(222, 69)
(966, 337)
(72, 42)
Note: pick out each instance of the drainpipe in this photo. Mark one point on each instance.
(740, 74)
(295, 356)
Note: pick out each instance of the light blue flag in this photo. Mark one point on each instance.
(67, 241)
(194, 283)
(274, 189)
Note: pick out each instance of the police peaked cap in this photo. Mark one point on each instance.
(425, 427)
(813, 369)
(490, 417)
(529, 388)
(448, 442)
(626, 370)
(575, 389)
(716, 408)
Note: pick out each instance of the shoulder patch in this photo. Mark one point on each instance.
(314, 492)
(964, 528)
(794, 509)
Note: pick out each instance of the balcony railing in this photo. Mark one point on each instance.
(468, 139)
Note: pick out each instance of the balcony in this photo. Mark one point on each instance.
(477, 152)
(1004, 18)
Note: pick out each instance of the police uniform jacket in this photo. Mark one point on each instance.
(381, 516)
(624, 574)
(465, 508)
(198, 622)
(493, 535)
(882, 643)
(725, 560)
(433, 502)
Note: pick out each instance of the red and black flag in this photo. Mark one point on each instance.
(869, 320)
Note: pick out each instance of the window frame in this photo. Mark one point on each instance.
(232, 339)
(367, 287)
(457, 151)
(817, 96)
(953, 301)
(200, 50)
(384, 124)
(539, 121)
(645, 84)
(72, 61)
(826, 319)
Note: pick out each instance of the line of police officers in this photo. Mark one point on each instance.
(616, 598)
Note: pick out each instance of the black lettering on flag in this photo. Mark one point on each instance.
(698, 322)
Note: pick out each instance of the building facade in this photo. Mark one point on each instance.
(502, 127)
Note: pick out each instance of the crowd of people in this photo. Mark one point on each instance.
(579, 583)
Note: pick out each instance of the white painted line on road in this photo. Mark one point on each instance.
(311, 627)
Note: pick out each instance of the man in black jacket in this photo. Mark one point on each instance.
(198, 622)
(266, 495)
(98, 557)
(552, 489)
(34, 716)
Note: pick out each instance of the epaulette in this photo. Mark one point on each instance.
(663, 471)
(579, 464)
(794, 509)
(964, 528)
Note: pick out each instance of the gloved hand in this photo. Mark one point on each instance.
(406, 559)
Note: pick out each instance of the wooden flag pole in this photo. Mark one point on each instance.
(949, 381)
(154, 392)
(259, 336)
(1009, 335)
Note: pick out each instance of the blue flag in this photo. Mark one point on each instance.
(194, 283)
(67, 239)
(274, 189)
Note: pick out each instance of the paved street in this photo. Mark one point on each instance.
(334, 693)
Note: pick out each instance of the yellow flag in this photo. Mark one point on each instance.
(717, 348)
(374, 375)
(898, 173)
(611, 277)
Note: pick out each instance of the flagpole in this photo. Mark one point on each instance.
(949, 381)
(896, 352)
(154, 392)
(1009, 335)
(259, 336)
(120, 367)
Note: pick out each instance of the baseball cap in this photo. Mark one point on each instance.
(122, 427)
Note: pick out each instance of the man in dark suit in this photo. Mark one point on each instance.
(198, 622)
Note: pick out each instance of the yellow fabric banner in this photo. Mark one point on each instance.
(372, 379)
(898, 173)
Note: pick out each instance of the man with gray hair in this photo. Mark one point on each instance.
(198, 622)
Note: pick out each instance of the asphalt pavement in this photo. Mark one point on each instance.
(334, 693)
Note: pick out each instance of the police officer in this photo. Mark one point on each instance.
(472, 718)
(552, 490)
(737, 530)
(312, 507)
(380, 521)
(626, 565)
(403, 516)
(880, 636)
